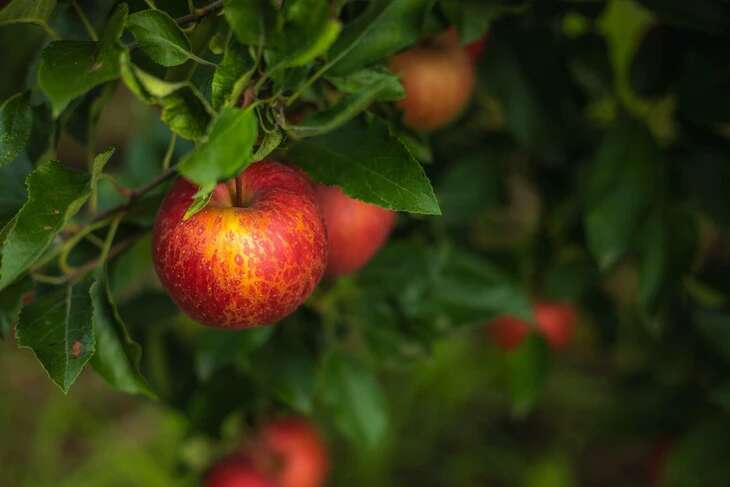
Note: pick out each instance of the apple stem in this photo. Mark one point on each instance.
(239, 192)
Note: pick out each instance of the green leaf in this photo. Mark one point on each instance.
(370, 164)
(16, 121)
(12, 187)
(342, 112)
(528, 369)
(28, 11)
(226, 150)
(714, 328)
(184, 110)
(98, 165)
(308, 33)
(160, 37)
(217, 349)
(270, 142)
(250, 20)
(478, 289)
(701, 15)
(469, 187)
(385, 27)
(58, 328)
(470, 17)
(68, 69)
(668, 243)
(232, 75)
(620, 188)
(11, 300)
(117, 357)
(364, 79)
(354, 399)
(55, 194)
(527, 74)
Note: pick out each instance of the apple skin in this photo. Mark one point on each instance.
(236, 472)
(299, 451)
(233, 267)
(355, 229)
(555, 322)
(475, 49)
(438, 81)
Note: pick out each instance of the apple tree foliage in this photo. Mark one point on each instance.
(593, 166)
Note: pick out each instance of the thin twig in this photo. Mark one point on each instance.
(85, 20)
(200, 13)
(135, 195)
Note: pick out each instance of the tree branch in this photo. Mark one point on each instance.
(200, 13)
(135, 195)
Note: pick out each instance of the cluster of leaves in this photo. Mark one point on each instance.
(591, 168)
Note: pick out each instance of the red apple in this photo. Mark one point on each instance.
(656, 462)
(355, 229)
(475, 49)
(242, 262)
(555, 322)
(300, 456)
(438, 81)
(236, 472)
(508, 332)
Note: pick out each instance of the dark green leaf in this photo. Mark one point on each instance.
(16, 121)
(250, 20)
(117, 357)
(668, 245)
(698, 458)
(55, 194)
(160, 37)
(11, 300)
(226, 150)
(232, 75)
(714, 328)
(28, 11)
(68, 69)
(354, 399)
(470, 17)
(525, 71)
(528, 369)
(624, 178)
(308, 33)
(58, 328)
(469, 187)
(702, 15)
(218, 349)
(342, 112)
(370, 164)
(186, 112)
(383, 29)
(365, 79)
(97, 168)
(12, 187)
(270, 142)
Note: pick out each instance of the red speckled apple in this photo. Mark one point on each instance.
(236, 472)
(247, 264)
(438, 81)
(300, 454)
(355, 229)
(555, 321)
